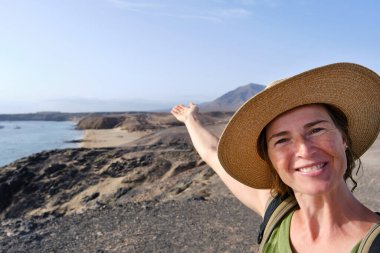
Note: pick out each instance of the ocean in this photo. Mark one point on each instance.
(23, 138)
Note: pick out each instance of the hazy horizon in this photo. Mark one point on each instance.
(129, 55)
(85, 106)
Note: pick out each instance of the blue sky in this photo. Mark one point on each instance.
(120, 55)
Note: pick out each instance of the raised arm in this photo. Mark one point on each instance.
(206, 145)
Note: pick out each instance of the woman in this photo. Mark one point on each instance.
(300, 136)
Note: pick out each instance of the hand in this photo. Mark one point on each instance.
(183, 113)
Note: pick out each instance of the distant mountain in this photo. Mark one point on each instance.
(44, 116)
(53, 116)
(232, 100)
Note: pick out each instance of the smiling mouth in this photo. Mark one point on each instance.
(313, 168)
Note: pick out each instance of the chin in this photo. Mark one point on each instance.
(315, 189)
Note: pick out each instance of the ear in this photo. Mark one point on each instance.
(345, 142)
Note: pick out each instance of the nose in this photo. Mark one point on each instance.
(304, 147)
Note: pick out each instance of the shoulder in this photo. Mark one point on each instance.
(276, 210)
(279, 240)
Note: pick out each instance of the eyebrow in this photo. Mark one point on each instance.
(308, 125)
(277, 135)
(311, 124)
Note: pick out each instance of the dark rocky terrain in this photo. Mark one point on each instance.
(151, 195)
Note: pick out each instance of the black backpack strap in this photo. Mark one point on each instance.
(268, 213)
(286, 206)
(371, 242)
(375, 247)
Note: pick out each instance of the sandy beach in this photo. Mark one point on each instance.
(101, 138)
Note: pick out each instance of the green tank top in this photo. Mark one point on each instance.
(279, 241)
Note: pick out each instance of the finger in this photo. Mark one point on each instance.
(180, 107)
(177, 110)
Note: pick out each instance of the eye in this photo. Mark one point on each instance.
(281, 141)
(316, 130)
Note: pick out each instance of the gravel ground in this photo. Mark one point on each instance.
(217, 225)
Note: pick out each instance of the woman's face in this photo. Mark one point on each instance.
(307, 150)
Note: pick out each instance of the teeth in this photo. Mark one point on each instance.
(312, 168)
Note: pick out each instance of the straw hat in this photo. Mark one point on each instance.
(353, 89)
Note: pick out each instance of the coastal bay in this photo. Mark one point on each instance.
(147, 191)
(23, 138)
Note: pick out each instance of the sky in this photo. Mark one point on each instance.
(124, 55)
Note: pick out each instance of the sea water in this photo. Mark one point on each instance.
(23, 138)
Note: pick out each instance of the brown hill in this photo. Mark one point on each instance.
(232, 100)
(99, 122)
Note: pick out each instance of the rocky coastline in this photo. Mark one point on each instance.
(152, 194)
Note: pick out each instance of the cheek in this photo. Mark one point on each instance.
(333, 146)
(338, 150)
(279, 160)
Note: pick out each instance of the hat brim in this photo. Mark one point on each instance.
(352, 88)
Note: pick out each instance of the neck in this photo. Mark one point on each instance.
(337, 203)
(330, 211)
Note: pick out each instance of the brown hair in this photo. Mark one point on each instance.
(340, 121)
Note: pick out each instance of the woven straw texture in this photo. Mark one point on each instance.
(352, 88)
